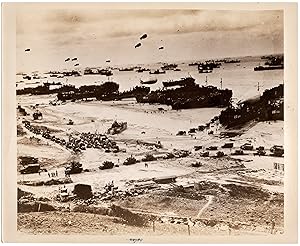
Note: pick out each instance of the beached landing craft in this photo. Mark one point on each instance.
(149, 82)
(269, 106)
(191, 96)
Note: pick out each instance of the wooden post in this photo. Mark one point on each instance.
(153, 225)
(39, 207)
(189, 231)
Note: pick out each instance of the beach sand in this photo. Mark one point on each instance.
(148, 124)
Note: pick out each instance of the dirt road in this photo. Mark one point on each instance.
(210, 200)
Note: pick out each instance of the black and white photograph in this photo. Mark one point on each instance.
(140, 121)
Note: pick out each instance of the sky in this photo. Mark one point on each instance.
(94, 34)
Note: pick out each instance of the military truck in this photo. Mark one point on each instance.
(73, 167)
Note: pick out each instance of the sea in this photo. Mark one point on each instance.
(238, 77)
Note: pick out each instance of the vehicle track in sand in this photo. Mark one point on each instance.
(210, 200)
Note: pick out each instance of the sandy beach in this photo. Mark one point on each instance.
(147, 124)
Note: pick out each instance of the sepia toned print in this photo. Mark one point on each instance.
(169, 128)
(146, 122)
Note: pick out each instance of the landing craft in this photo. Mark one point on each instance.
(76, 65)
(108, 61)
(137, 45)
(144, 36)
(161, 48)
(68, 59)
(27, 50)
(74, 59)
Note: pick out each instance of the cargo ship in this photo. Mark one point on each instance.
(204, 68)
(262, 68)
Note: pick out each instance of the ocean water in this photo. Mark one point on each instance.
(239, 77)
